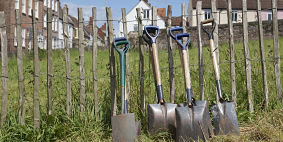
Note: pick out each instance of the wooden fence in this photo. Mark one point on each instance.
(141, 71)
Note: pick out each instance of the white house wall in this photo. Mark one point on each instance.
(132, 18)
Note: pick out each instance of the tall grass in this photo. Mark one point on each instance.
(61, 127)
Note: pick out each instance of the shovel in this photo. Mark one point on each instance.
(192, 118)
(123, 126)
(224, 112)
(161, 116)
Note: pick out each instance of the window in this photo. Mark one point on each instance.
(45, 2)
(45, 21)
(235, 16)
(24, 6)
(135, 27)
(269, 16)
(17, 4)
(56, 5)
(56, 25)
(49, 3)
(15, 39)
(53, 4)
(207, 14)
(24, 37)
(53, 23)
(36, 6)
(30, 7)
(146, 13)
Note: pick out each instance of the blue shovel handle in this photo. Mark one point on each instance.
(152, 29)
(174, 29)
(179, 39)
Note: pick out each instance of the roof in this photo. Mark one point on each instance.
(75, 21)
(177, 21)
(100, 33)
(103, 27)
(237, 4)
(161, 12)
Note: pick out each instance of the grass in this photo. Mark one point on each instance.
(263, 125)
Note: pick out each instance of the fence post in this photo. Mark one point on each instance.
(170, 55)
(190, 13)
(49, 61)
(94, 62)
(112, 61)
(200, 52)
(67, 58)
(247, 57)
(22, 96)
(215, 33)
(262, 53)
(141, 56)
(276, 49)
(232, 52)
(4, 78)
(82, 70)
(36, 109)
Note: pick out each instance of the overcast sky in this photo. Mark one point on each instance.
(116, 6)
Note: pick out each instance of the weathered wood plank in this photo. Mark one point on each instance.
(112, 61)
(232, 52)
(49, 62)
(215, 33)
(94, 63)
(22, 95)
(67, 62)
(200, 51)
(262, 53)
(81, 62)
(170, 56)
(36, 103)
(247, 57)
(276, 49)
(4, 77)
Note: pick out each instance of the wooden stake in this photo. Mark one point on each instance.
(81, 64)
(262, 53)
(4, 78)
(67, 58)
(36, 104)
(94, 62)
(112, 61)
(190, 13)
(22, 95)
(215, 33)
(232, 52)
(170, 56)
(49, 62)
(247, 57)
(276, 49)
(200, 52)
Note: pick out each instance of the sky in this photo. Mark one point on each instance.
(116, 6)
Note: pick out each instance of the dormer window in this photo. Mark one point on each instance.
(207, 14)
(235, 16)
(146, 13)
(29, 7)
(24, 6)
(269, 16)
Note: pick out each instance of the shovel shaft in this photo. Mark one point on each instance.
(157, 73)
(122, 83)
(216, 68)
(186, 70)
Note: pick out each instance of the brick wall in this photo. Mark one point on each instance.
(223, 34)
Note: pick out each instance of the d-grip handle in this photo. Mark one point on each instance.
(151, 30)
(209, 33)
(121, 41)
(175, 29)
(179, 39)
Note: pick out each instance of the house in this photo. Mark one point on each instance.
(236, 10)
(76, 33)
(146, 17)
(61, 30)
(25, 7)
(101, 35)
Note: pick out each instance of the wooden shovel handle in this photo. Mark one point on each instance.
(207, 21)
(156, 64)
(186, 69)
(214, 59)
